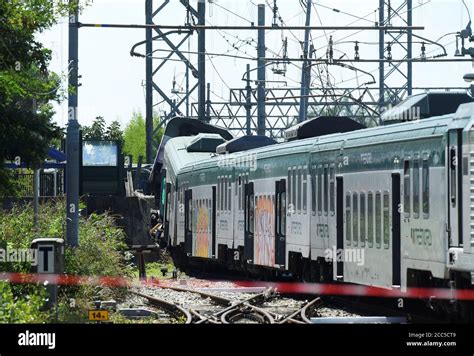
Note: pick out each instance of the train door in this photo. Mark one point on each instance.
(167, 209)
(214, 217)
(280, 223)
(249, 221)
(396, 232)
(162, 200)
(188, 222)
(340, 224)
(455, 188)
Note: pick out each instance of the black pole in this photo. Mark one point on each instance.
(72, 138)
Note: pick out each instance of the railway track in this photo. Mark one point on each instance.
(202, 301)
(250, 310)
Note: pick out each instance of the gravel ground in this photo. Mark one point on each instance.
(280, 305)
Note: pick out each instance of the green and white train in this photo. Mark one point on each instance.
(390, 206)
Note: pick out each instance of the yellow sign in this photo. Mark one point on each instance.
(98, 315)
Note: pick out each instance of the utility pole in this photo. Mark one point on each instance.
(306, 70)
(381, 55)
(208, 103)
(261, 76)
(410, 47)
(248, 104)
(72, 140)
(149, 82)
(202, 61)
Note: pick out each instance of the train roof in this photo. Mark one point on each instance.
(179, 156)
(321, 126)
(245, 143)
(424, 106)
(419, 129)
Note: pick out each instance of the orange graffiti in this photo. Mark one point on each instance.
(202, 232)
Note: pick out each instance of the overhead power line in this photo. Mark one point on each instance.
(247, 28)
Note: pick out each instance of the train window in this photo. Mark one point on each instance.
(320, 190)
(378, 219)
(426, 188)
(332, 190)
(370, 219)
(244, 182)
(406, 188)
(348, 218)
(172, 196)
(298, 198)
(416, 188)
(209, 227)
(218, 193)
(246, 214)
(313, 190)
(305, 189)
(362, 236)
(326, 190)
(168, 205)
(272, 198)
(278, 213)
(239, 192)
(251, 213)
(190, 214)
(289, 185)
(199, 227)
(293, 188)
(257, 204)
(452, 173)
(283, 213)
(229, 198)
(221, 194)
(386, 219)
(355, 218)
(224, 193)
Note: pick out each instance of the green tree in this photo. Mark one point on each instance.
(100, 131)
(135, 136)
(96, 131)
(27, 88)
(114, 132)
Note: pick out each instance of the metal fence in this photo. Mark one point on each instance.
(51, 184)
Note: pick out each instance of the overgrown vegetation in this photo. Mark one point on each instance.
(101, 253)
(155, 270)
(27, 88)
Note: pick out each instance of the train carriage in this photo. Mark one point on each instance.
(389, 206)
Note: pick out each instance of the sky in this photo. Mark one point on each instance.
(112, 83)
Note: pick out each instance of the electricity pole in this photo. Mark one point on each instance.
(72, 139)
(261, 75)
(306, 69)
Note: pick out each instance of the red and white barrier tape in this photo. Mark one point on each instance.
(281, 287)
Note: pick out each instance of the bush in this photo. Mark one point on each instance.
(101, 253)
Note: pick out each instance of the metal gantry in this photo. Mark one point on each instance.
(260, 109)
(283, 105)
(174, 39)
(395, 12)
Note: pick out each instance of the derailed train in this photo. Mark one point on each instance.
(390, 206)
